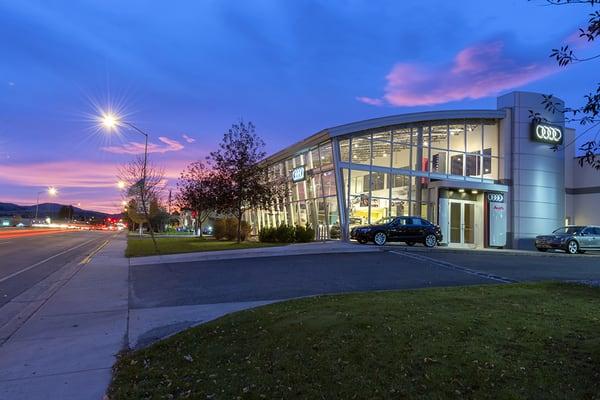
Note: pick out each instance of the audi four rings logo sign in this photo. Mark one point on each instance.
(298, 174)
(546, 133)
(495, 197)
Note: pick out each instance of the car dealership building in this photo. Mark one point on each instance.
(489, 178)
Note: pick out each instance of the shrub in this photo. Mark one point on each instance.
(220, 228)
(335, 232)
(226, 228)
(304, 234)
(285, 234)
(267, 235)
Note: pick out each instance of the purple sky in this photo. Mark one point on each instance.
(184, 71)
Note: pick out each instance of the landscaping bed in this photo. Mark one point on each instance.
(138, 247)
(495, 342)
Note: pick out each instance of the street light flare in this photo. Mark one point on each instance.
(121, 185)
(109, 121)
(52, 191)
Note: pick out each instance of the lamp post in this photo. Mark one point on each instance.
(51, 191)
(110, 122)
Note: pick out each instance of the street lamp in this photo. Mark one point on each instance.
(52, 191)
(111, 122)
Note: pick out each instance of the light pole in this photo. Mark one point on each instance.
(51, 191)
(110, 122)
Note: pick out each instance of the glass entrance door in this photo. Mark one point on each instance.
(462, 222)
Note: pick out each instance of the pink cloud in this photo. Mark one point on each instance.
(188, 138)
(478, 71)
(370, 100)
(138, 147)
(93, 184)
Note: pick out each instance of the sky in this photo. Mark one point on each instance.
(185, 71)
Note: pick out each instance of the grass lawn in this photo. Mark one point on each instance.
(534, 341)
(137, 247)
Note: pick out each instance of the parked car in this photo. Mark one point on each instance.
(572, 239)
(410, 230)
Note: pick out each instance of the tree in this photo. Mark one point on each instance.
(589, 114)
(197, 189)
(241, 180)
(145, 183)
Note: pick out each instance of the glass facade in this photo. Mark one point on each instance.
(391, 168)
(384, 172)
(312, 201)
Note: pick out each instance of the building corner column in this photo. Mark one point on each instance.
(340, 191)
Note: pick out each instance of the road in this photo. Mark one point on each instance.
(27, 257)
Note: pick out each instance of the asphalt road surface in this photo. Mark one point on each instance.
(27, 257)
(396, 267)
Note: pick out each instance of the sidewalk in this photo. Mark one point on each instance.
(284, 250)
(67, 348)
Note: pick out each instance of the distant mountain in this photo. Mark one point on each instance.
(48, 210)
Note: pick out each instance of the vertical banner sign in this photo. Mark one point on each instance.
(497, 219)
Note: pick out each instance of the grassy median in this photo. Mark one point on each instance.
(138, 247)
(482, 342)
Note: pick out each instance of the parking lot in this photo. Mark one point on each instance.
(393, 267)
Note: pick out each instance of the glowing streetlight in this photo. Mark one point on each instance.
(52, 191)
(121, 185)
(124, 203)
(109, 121)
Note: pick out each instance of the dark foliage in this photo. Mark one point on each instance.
(587, 115)
(244, 183)
(287, 234)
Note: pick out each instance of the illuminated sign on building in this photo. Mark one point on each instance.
(495, 197)
(298, 174)
(546, 133)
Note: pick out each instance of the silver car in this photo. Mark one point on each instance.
(572, 239)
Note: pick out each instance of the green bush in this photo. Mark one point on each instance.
(226, 228)
(304, 234)
(220, 228)
(287, 234)
(267, 235)
(335, 232)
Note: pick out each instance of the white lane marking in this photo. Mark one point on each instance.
(448, 265)
(43, 261)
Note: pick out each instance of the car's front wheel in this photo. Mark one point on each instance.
(380, 238)
(430, 240)
(572, 247)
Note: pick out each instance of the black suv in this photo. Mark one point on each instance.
(410, 230)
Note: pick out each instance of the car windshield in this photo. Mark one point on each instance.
(568, 230)
(385, 220)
